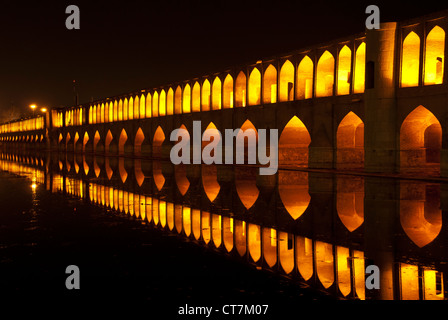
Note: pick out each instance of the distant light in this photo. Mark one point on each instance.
(33, 106)
(259, 61)
(43, 109)
(33, 186)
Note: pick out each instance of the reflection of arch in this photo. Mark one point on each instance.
(227, 92)
(410, 60)
(286, 251)
(249, 135)
(324, 263)
(254, 241)
(159, 179)
(325, 75)
(216, 230)
(121, 142)
(96, 140)
(180, 175)
(270, 246)
(246, 187)
(254, 87)
(420, 139)
(420, 213)
(270, 85)
(343, 269)
(293, 144)
(210, 181)
(350, 142)
(240, 236)
(227, 226)
(240, 90)
(434, 56)
(294, 192)
(350, 201)
(159, 137)
(344, 69)
(286, 82)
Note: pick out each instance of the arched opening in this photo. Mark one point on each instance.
(270, 246)
(205, 96)
(410, 60)
(304, 84)
(185, 137)
(162, 103)
(107, 144)
(344, 70)
(350, 201)
(121, 142)
(286, 82)
(125, 109)
(75, 141)
(120, 110)
(131, 108)
(139, 138)
(293, 144)
(148, 112)
(254, 241)
(227, 230)
(216, 230)
(434, 56)
(350, 142)
(216, 94)
(178, 100)
(240, 236)
(186, 99)
(170, 102)
(293, 189)
(228, 92)
(142, 107)
(246, 185)
(240, 90)
(85, 140)
(115, 115)
(210, 181)
(106, 113)
(159, 137)
(360, 69)
(211, 129)
(286, 251)
(324, 263)
(155, 104)
(249, 134)
(196, 223)
(196, 97)
(96, 140)
(420, 140)
(420, 212)
(136, 108)
(325, 75)
(254, 87)
(94, 114)
(343, 269)
(67, 140)
(270, 85)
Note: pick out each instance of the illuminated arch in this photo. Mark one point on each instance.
(293, 144)
(360, 69)
(410, 60)
(350, 142)
(106, 112)
(293, 189)
(205, 96)
(186, 99)
(325, 75)
(120, 110)
(434, 56)
(170, 102)
(178, 100)
(125, 109)
(139, 138)
(136, 107)
(180, 175)
(155, 104)
(350, 201)
(227, 92)
(344, 70)
(304, 84)
(286, 82)
(131, 108)
(213, 130)
(420, 212)
(121, 142)
(159, 137)
(250, 138)
(75, 141)
(115, 111)
(270, 85)
(216, 94)
(162, 103)
(196, 97)
(148, 112)
(420, 139)
(94, 114)
(254, 87)
(246, 186)
(142, 107)
(240, 90)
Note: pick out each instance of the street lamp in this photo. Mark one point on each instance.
(43, 109)
(33, 106)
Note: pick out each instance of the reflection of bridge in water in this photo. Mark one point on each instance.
(374, 101)
(314, 228)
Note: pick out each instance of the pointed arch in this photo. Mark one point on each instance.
(121, 142)
(186, 99)
(286, 82)
(159, 138)
(136, 107)
(125, 109)
(106, 113)
(360, 69)
(205, 96)
(85, 140)
(216, 94)
(120, 110)
(148, 111)
(420, 140)
(196, 97)
(107, 143)
(270, 85)
(434, 56)
(210, 181)
(178, 100)
(227, 89)
(213, 131)
(325, 75)
(155, 104)
(293, 144)
(139, 138)
(410, 60)
(249, 134)
(170, 102)
(304, 83)
(254, 87)
(162, 103)
(131, 108)
(240, 90)
(96, 140)
(344, 70)
(350, 142)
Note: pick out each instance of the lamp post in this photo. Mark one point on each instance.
(33, 106)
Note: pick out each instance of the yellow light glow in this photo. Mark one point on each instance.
(410, 60)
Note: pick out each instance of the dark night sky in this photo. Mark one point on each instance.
(128, 45)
